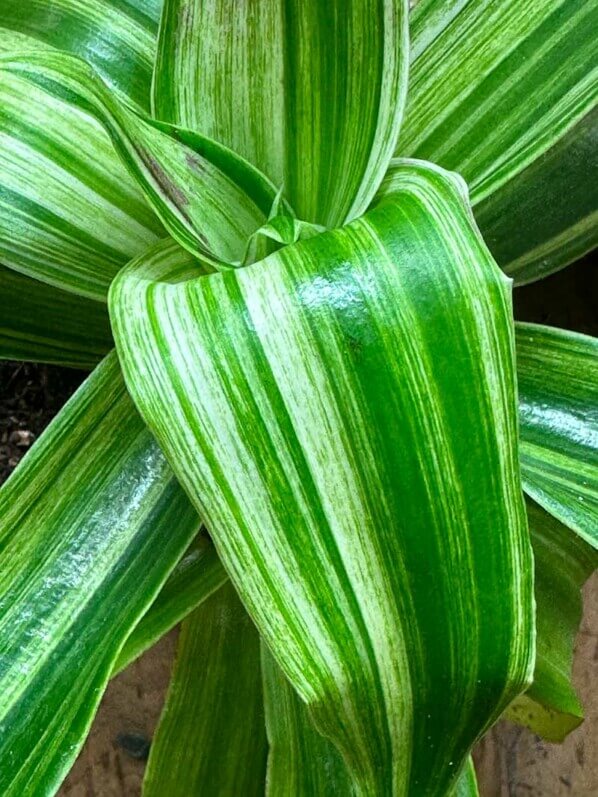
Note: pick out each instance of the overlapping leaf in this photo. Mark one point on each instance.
(288, 398)
(312, 93)
(300, 760)
(208, 198)
(558, 408)
(118, 39)
(44, 324)
(211, 739)
(198, 574)
(70, 215)
(505, 94)
(92, 522)
(563, 562)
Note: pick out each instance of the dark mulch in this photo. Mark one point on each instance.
(30, 396)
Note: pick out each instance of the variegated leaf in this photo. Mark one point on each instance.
(311, 93)
(331, 414)
(506, 93)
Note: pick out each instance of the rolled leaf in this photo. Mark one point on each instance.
(208, 198)
(70, 215)
(563, 562)
(331, 414)
(211, 739)
(530, 163)
(118, 39)
(558, 410)
(197, 576)
(92, 523)
(43, 324)
(311, 93)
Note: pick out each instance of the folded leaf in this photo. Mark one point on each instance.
(311, 93)
(503, 92)
(563, 562)
(92, 522)
(197, 576)
(558, 410)
(70, 215)
(208, 198)
(354, 456)
(43, 324)
(118, 39)
(211, 739)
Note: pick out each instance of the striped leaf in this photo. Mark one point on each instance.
(42, 324)
(547, 216)
(117, 38)
(92, 522)
(208, 198)
(211, 739)
(558, 410)
(300, 760)
(70, 215)
(503, 92)
(563, 562)
(331, 414)
(311, 93)
(197, 576)
(467, 785)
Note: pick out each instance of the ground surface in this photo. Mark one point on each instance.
(511, 762)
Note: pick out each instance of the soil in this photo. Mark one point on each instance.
(30, 396)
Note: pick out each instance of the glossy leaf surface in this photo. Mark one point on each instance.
(531, 165)
(558, 410)
(211, 739)
(288, 396)
(197, 576)
(92, 523)
(312, 93)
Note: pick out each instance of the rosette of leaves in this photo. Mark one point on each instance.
(298, 225)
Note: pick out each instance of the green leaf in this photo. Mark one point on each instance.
(300, 760)
(208, 198)
(547, 216)
(502, 92)
(332, 417)
(558, 412)
(563, 562)
(42, 324)
(467, 785)
(211, 739)
(92, 523)
(70, 215)
(311, 93)
(117, 38)
(197, 576)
